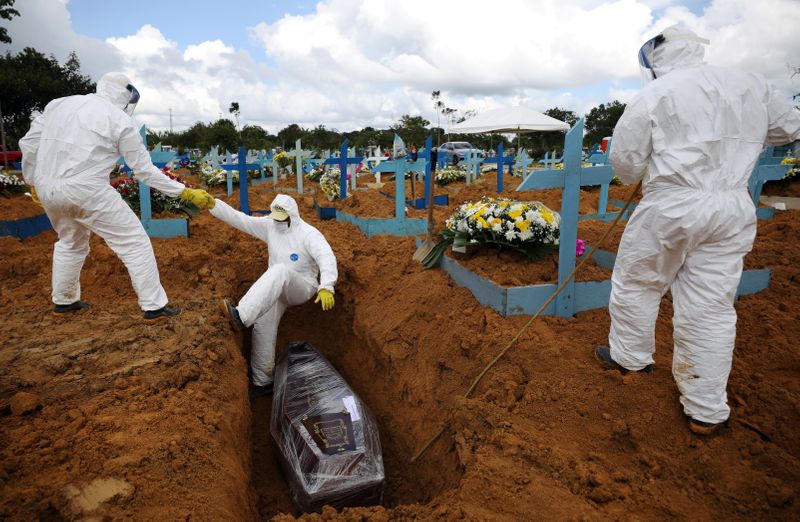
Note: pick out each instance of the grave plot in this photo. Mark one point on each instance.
(576, 295)
(20, 217)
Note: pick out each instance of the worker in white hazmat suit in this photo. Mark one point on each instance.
(301, 264)
(68, 154)
(694, 135)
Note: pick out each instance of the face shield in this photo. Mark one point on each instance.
(647, 53)
(132, 100)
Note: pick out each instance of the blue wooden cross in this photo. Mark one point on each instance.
(342, 162)
(522, 161)
(298, 154)
(473, 166)
(550, 159)
(310, 164)
(241, 166)
(212, 157)
(602, 203)
(501, 161)
(570, 179)
(158, 227)
(262, 160)
(402, 165)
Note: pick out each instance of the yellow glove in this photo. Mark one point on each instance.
(199, 197)
(326, 297)
(34, 197)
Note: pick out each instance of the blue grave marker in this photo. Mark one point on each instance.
(473, 166)
(298, 154)
(402, 165)
(522, 161)
(158, 227)
(241, 166)
(262, 160)
(342, 162)
(501, 161)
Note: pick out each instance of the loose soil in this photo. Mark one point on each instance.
(105, 416)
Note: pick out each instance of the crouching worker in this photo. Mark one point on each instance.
(301, 264)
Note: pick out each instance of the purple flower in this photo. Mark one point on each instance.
(580, 247)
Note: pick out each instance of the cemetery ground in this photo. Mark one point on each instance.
(105, 416)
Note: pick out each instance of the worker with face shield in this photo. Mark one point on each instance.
(301, 264)
(71, 148)
(693, 135)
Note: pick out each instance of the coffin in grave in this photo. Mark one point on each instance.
(327, 439)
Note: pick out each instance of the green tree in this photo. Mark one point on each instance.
(29, 80)
(256, 138)
(413, 129)
(7, 12)
(222, 133)
(537, 143)
(322, 138)
(600, 122)
(287, 136)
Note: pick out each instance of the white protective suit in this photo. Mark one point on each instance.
(697, 131)
(298, 253)
(67, 156)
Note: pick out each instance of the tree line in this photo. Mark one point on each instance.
(29, 80)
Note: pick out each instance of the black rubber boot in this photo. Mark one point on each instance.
(74, 307)
(703, 428)
(232, 314)
(161, 313)
(259, 391)
(603, 354)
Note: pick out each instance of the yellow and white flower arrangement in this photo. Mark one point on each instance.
(329, 183)
(528, 227)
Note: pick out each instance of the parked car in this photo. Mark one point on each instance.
(459, 149)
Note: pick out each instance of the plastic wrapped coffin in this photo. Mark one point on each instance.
(327, 439)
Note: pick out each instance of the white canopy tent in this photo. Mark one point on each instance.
(516, 119)
(509, 120)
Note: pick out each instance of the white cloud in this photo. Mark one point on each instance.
(353, 63)
(45, 25)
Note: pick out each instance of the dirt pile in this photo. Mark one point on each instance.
(152, 421)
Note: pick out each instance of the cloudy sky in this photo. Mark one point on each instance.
(347, 64)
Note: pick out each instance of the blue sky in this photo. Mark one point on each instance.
(347, 64)
(184, 22)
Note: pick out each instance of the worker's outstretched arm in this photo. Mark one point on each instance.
(255, 226)
(138, 160)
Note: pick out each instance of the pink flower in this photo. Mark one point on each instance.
(580, 247)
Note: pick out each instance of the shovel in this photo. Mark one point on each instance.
(427, 247)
